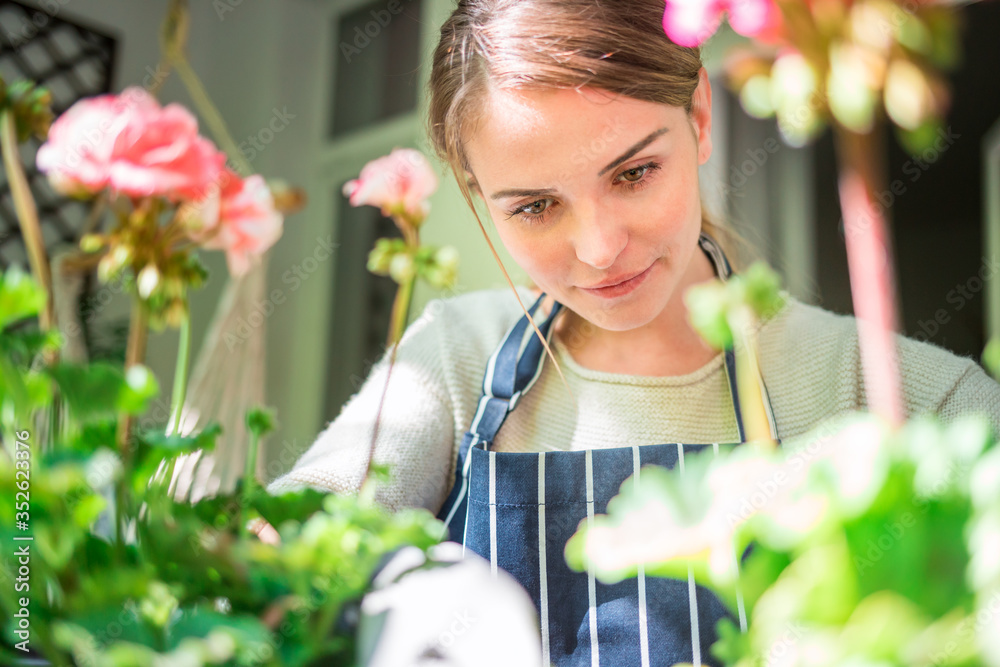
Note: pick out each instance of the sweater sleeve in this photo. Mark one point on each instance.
(938, 381)
(811, 361)
(415, 429)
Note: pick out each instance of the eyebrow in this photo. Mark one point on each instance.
(638, 146)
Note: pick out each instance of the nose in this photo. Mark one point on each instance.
(598, 238)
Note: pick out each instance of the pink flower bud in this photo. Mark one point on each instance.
(399, 182)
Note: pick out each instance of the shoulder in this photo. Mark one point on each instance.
(812, 330)
(803, 327)
(821, 351)
(467, 327)
(479, 312)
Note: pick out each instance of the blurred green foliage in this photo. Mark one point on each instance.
(179, 581)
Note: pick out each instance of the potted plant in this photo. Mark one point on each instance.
(870, 540)
(110, 568)
(857, 543)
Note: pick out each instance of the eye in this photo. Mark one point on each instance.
(530, 211)
(632, 180)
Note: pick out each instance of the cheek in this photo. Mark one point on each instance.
(676, 205)
(532, 251)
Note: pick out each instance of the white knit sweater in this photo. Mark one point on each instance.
(809, 360)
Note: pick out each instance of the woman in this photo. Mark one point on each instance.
(581, 127)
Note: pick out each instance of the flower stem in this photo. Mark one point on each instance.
(249, 481)
(180, 376)
(869, 258)
(400, 309)
(743, 325)
(397, 323)
(173, 49)
(27, 216)
(135, 353)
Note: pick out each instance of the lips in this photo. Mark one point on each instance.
(618, 280)
(622, 288)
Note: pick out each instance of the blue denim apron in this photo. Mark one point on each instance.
(518, 510)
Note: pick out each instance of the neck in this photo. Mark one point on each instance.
(669, 345)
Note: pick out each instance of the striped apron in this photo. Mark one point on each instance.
(518, 510)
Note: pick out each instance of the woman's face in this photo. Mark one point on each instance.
(586, 189)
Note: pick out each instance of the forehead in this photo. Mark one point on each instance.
(524, 129)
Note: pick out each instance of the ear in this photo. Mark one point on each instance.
(701, 116)
(470, 180)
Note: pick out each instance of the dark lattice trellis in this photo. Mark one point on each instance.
(73, 62)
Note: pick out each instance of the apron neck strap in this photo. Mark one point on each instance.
(515, 365)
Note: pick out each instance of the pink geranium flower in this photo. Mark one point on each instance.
(240, 218)
(160, 153)
(691, 22)
(77, 155)
(132, 145)
(398, 183)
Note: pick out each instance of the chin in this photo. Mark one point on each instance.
(624, 316)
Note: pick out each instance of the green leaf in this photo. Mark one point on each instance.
(732, 644)
(919, 139)
(174, 444)
(99, 391)
(155, 446)
(708, 307)
(87, 509)
(20, 297)
(882, 626)
(763, 289)
(26, 344)
(248, 631)
(945, 32)
(115, 622)
(140, 388)
(290, 506)
(676, 501)
(56, 544)
(991, 357)
(92, 437)
(20, 392)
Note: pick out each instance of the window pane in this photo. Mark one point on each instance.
(377, 64)
(362, 304)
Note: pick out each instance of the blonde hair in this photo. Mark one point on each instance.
(615, 45)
